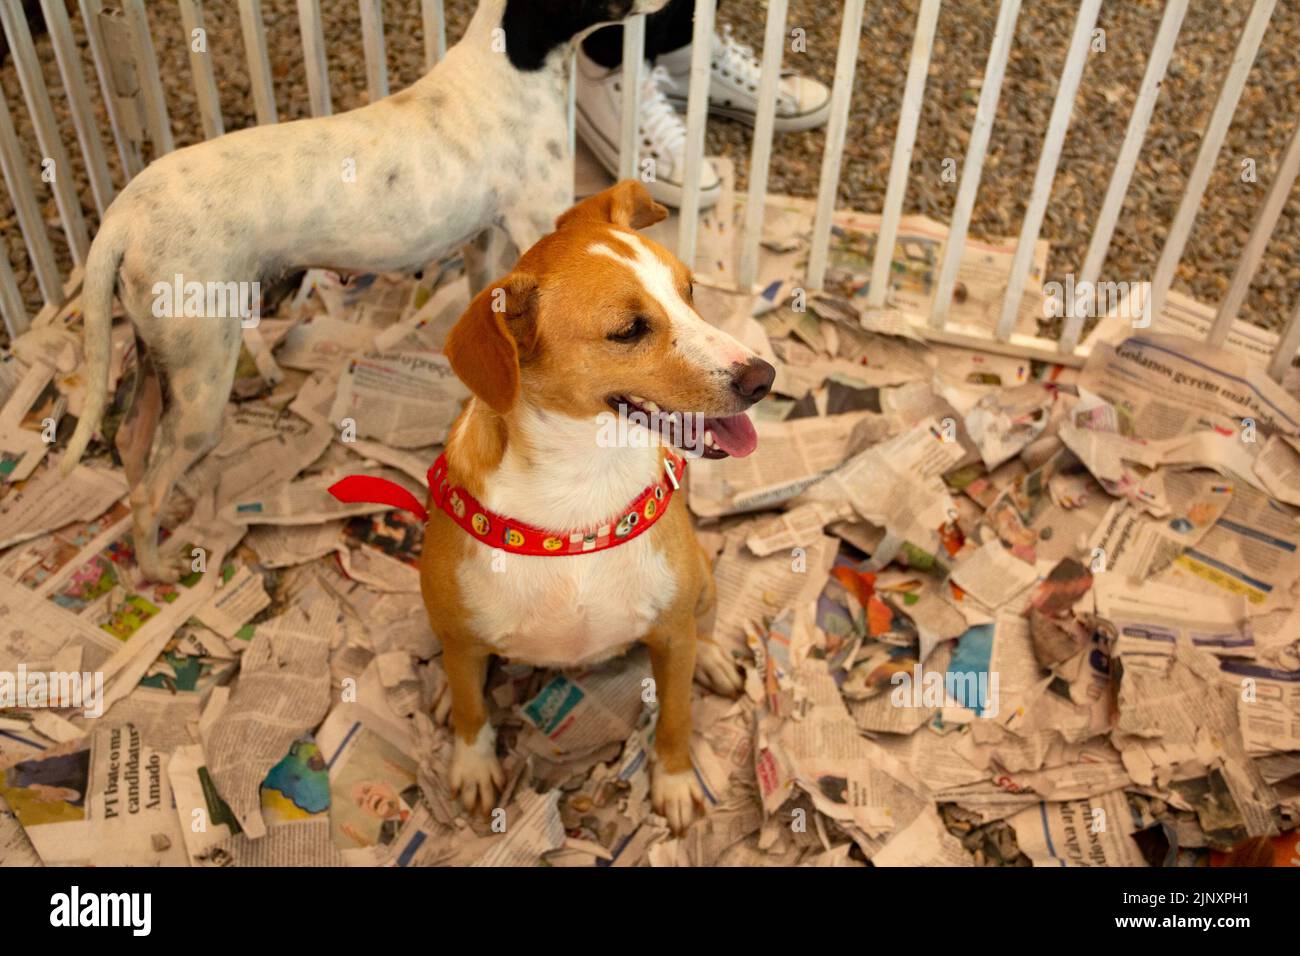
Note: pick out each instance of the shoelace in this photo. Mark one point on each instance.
(660, 123)
(738, 59)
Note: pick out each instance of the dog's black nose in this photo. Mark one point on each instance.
(753, 380)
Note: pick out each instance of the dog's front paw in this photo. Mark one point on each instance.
(476, 774)
(160, 568)
(716, 671)
(675, 796)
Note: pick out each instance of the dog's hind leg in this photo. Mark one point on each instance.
(525, 227)
(713, 668)
(135, 434)
(200, 364)
(706, 605)
(488, 256)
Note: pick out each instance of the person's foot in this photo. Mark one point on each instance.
(801, 102)
(598, 115)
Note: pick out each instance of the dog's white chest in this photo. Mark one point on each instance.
(567, 611)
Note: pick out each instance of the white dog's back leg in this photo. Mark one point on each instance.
(199, 357)
(135, 434)
(489, 255)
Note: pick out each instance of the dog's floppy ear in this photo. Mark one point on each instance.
(627, 204)
(483, 345)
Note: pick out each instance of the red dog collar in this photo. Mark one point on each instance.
(514, 536)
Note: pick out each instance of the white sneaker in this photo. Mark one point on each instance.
(801, 102)
(598, 116)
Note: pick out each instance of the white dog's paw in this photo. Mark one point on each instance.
(476, 774)
(167, 567)
(675, 796)
(716, 671)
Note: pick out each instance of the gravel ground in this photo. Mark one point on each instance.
(1269, 108)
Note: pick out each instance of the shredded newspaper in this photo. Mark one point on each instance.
(989, 612)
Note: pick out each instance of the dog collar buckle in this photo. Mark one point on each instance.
(670, 466)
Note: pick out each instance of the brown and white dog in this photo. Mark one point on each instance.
(594, 317)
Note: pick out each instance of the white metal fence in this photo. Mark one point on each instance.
(126, 70)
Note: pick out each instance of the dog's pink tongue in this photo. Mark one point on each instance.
(735, 435)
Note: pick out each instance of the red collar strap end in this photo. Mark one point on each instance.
(367, 489)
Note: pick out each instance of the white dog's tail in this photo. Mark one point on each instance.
(97, 318)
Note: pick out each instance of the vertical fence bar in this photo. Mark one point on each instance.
(16, 319)
(571, 118)
(435, 32)
(1260, 232)
(313, 56)
(1287, 345)
(1003, 36)
(629, 141)
(761, 155)
(37, 98)
(259, 64)
(372, 39)
(160, 127)
(1057, 126)
(27, 209)
(1211, 142)
(1125, 163)
(205, 84)
(83, 115)
(127, 153)
(697, 111)
(900, 166)
(846, 64)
